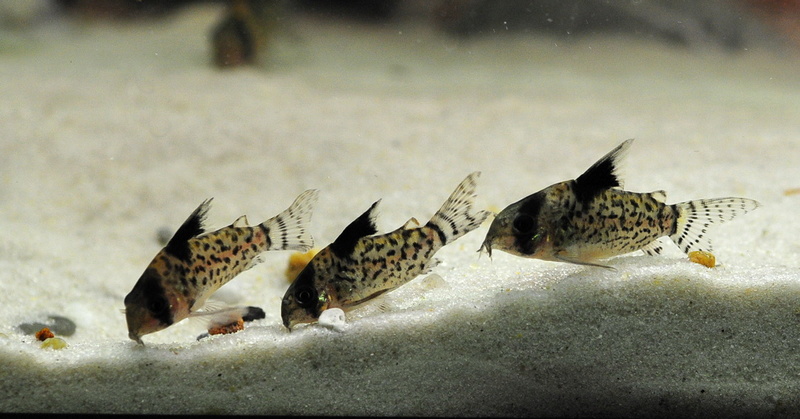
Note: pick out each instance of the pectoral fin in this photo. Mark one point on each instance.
(563, 258)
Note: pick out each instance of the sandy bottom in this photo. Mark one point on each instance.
(109, 133)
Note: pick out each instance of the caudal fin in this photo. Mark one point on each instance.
(694, 218)
(289, 230)
(454, 219)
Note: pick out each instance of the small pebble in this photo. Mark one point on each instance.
(163, 235)
(54, 343)
(433, 281)
(333, 318)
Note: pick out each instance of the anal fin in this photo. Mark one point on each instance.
(655, 247)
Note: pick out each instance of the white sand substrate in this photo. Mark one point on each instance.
(112, 131)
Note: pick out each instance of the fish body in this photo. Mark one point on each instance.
(591, 218)
(359, 266)
(194, 264)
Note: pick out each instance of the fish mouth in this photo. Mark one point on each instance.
(135, 337)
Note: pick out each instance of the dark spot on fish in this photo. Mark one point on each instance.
(363, 226)
(438, 231)
(529, 209)
(149, 289)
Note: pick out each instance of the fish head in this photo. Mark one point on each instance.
(303, 301)
(147, 306)
(517, 229)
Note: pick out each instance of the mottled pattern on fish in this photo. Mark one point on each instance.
(591, 218)
(193, 265)
(358, 267)
(612, 223)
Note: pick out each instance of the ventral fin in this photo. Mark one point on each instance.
(362, 226)
(178, 245)
(602, 175)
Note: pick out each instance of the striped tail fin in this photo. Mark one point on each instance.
(694, 217)
(289, 230)
(454, 219)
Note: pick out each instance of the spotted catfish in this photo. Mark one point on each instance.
(359, 266)
(591, 218)
(194, 264)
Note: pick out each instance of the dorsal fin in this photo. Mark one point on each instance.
(178, 245)
(361, 227)
(602, 175)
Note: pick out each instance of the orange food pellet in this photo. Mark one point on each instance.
(704, 258)
(44, 334)
(227, 328)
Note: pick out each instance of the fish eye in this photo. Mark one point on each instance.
(523, 223)
(157, 305)
(305, 296)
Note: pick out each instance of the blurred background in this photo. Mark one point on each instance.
(249, 29)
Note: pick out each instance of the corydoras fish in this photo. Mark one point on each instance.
(194, 264)
(359, 266)
(591, 218)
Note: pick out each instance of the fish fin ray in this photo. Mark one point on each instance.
(362, 226)
(693, 219)
(581, 262)
(602, 175)
(218, 314)
(289, 230)
(178, 245)
(430, 265)
(368, 298)
(454, 218)
(653, 248)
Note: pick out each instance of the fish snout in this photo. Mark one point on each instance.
(135, 337)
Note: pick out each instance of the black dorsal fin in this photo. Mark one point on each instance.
(602, 175)
(362, 226)
(178, 245)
